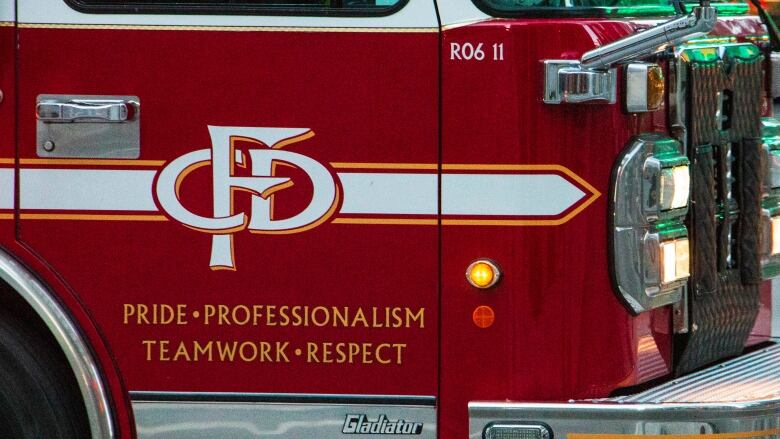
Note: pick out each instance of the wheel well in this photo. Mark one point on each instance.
(21, 291)
(12, 301)
(43, 383)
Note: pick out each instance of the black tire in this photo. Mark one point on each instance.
(39, 397)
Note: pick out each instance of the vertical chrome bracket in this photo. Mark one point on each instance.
(680, 314)
(565, 81)
(774, 63)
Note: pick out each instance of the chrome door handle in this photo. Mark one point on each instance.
(84, 111)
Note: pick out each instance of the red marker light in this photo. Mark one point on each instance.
(483, 316)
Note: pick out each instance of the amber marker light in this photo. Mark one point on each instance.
(483, 316)
(483, 273)
(644, 87)
(655, 87)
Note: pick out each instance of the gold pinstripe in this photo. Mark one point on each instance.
(229, 28)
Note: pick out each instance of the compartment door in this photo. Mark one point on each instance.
(243, 196)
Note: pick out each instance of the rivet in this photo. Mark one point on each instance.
(48, 146)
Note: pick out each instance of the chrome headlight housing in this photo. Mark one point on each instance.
(650, 197)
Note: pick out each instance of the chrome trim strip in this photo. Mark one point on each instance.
(632, 421)
(308, 398)
(775, 307)
(69, 338)
(586, 412)
(258, 415)
(171, 27)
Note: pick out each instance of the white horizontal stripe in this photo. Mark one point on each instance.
(507, 194)
(402, 194)
(417, 13)
(82, 189)
(6, 188)
(364, 193)
(455, 12)
(7, 11)
(462, 194)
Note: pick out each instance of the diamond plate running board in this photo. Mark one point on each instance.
(735, 400)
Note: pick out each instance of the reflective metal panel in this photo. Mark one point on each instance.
(88, 126)
(567, 82)
(248, 416)
(630, 421)
(638, 222)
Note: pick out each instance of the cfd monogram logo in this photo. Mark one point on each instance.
(261, 184)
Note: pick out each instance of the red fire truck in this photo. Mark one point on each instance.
(496, 219)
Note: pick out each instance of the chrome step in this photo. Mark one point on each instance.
(738, 399)
(755, 376)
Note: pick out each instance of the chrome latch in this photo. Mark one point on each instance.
(566, 81)
(83, 111)
(88, 126)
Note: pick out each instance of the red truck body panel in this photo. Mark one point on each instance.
(380, 102)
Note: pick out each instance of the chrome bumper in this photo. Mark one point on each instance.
(735, 400)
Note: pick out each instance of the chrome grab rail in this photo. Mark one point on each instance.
(82, 111)
(653, 40)
(593, 77)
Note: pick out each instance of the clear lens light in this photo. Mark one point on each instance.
(774, 169)
(776, 235)
(675, 260)
(682, 255)
(675, 187)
